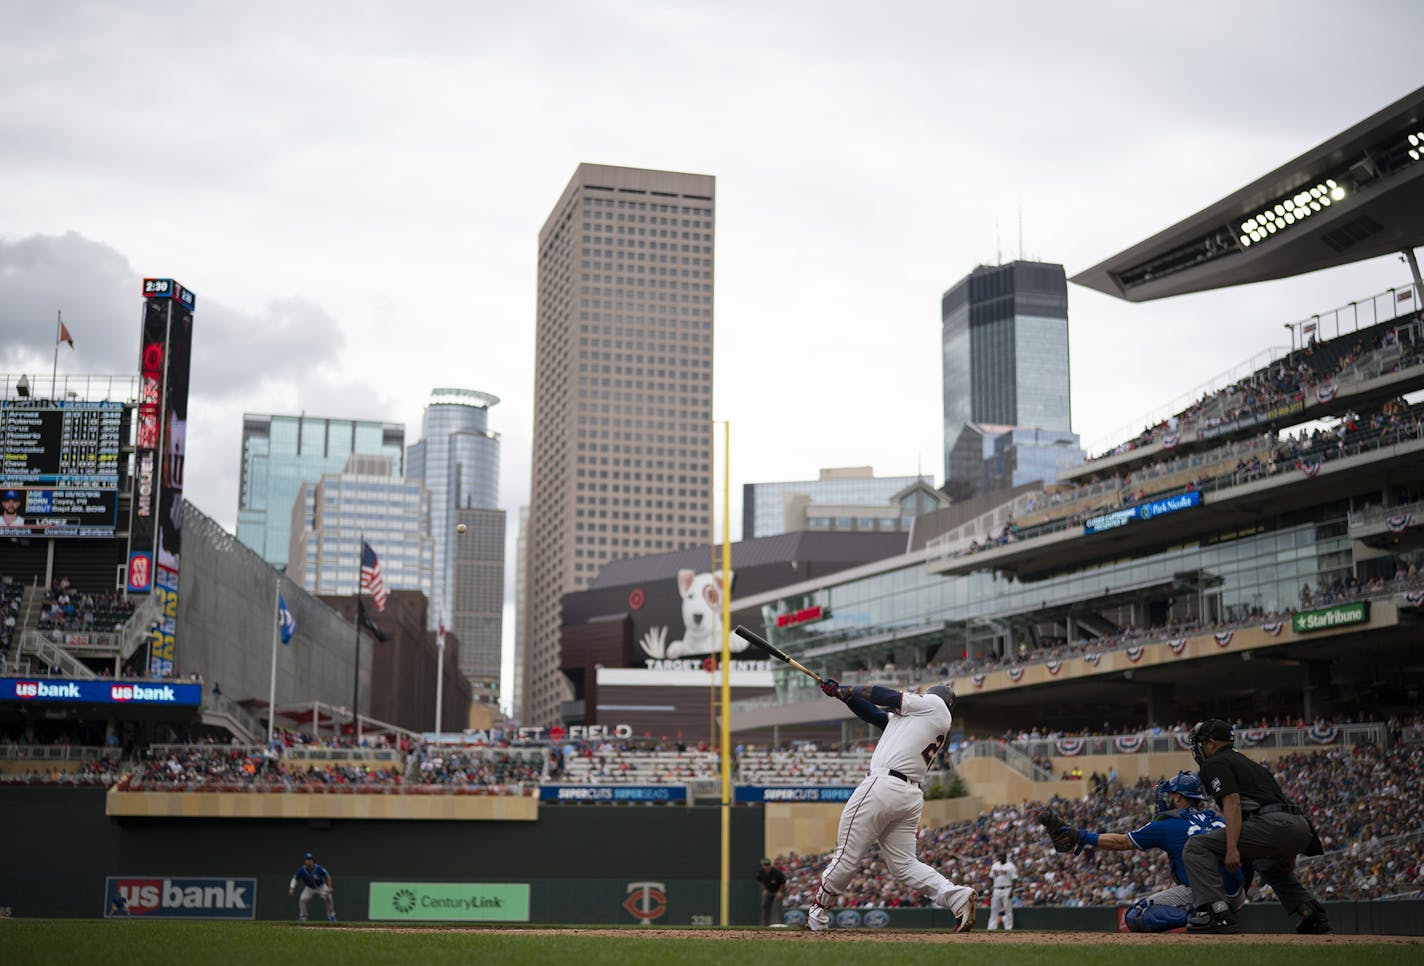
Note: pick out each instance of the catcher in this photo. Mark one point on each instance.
(1180, 814)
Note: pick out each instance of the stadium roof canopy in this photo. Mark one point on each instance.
(1358, 195)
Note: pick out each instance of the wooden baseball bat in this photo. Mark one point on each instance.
(762, 644)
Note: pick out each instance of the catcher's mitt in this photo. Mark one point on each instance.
(1063, 836)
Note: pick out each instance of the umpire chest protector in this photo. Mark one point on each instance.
(1228, 771)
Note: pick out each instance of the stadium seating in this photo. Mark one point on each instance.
(1356, 796)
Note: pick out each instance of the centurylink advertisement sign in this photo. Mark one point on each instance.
(449, 902)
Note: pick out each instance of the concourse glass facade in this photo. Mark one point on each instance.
(945, 618)
(280, 453)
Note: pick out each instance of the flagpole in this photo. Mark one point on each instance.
(54, 371)
(276, 631)
(360, 615)
(439, 677)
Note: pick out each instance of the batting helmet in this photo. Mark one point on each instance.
(942, 692)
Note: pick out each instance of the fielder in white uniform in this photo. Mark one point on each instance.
(1003, 872)
(885, 807)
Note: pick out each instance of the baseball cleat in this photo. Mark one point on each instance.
(966, 915)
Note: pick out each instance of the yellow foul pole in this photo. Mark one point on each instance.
(726, 741)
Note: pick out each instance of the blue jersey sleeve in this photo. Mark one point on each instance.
(1153, 835)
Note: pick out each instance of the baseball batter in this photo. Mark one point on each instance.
(1001, 903)
(885, 807)
(315, 881)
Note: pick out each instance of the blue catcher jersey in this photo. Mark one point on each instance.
(1170, 831)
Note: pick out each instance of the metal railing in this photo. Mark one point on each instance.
(1305, 739)
(36, 643)
(221, 711)
(1010, 755)
(386, 756)
(57, 752)
(120, 388)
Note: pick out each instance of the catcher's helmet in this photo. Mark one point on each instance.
(1212, 729)
(1188, 785)
(1160, 797)
(943, 692)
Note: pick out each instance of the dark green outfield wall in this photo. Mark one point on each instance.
(578, 861)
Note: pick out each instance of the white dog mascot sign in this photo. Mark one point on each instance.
(701, 620)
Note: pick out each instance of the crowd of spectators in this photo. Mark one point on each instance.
(493, 769)
(218, 767)
(68, 609)
(1306, 451)
(1292, 378)
(1358, 799)
(10, 594)
(96, 772)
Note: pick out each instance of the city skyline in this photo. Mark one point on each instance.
(358, 217)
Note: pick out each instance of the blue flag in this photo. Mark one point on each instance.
(285, 620)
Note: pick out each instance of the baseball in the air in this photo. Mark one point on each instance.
(460, 528)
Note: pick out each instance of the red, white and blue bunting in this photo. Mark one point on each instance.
(1016, 674)
(1093, 658)
(1178, 646)
(1309, 468)
(1069, 746)
(1170, 440)
(1134, 653)
(1415, 598)
(1326, 391)
(1223, 638)
(1323, 734)
(1184, 740)
(1400, 523)
(1054, 666)
(1251, 737)
(978, 680)
(1129, 744)
(1274, 628)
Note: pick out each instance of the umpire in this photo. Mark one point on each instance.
(1261, 825)
(773, 882)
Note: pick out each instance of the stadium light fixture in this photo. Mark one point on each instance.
(1290, 210)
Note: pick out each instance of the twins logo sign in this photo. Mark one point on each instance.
(646, 901)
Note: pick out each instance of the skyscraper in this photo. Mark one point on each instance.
(1004, 334)
(622, 461)
(279, 453)
(457, 459)
(366, 500)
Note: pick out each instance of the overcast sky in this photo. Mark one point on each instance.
(354, 192)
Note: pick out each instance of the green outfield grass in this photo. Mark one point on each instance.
(26, 941)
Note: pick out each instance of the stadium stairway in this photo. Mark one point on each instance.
(220, 711)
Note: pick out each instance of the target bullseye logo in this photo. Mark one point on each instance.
(403, 900)
(635, 599)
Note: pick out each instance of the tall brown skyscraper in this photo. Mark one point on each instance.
(622, 393)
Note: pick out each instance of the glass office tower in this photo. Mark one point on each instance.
(1004, 335)
(280, 453)
(457, 460)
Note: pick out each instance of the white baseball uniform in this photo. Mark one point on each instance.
(1002, 901)
(885, 808)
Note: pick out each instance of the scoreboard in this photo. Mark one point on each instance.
(60, 470)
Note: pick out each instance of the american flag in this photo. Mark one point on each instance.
(371, 580)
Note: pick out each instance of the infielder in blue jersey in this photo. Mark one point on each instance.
(315, 881)
(1179, 816)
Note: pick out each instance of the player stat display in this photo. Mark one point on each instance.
(60, 476)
